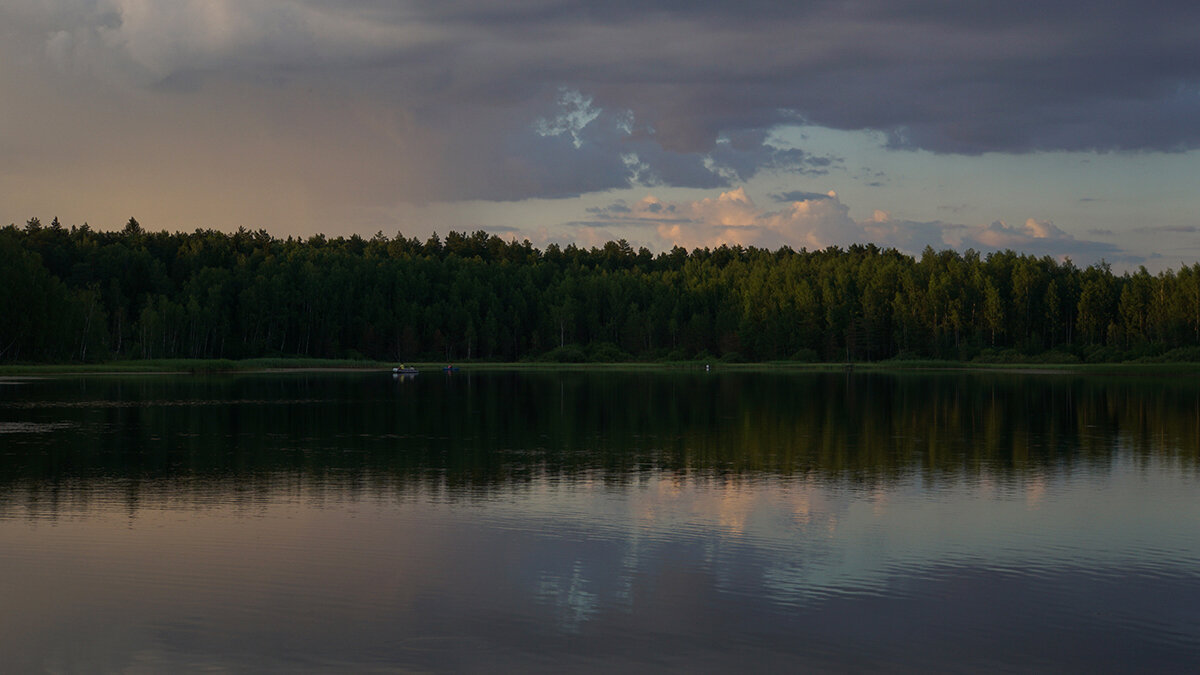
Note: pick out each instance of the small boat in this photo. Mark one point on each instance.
(451, 369)
(404, 370)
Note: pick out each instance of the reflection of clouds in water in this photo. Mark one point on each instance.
(801, 507)
(573, 603)
(631, 563)
(793, 542)
(986, 487)
(799, 540)
(1035, 491)
(734, 507)
(742, 533)
(879, 501)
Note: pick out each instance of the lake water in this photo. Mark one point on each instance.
(611, 521)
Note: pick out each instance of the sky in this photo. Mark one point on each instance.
(1061, 128)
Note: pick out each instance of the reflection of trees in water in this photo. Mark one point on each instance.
(247, 440)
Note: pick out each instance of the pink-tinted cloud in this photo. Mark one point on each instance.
(820, 221)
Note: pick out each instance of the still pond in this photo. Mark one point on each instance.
(600, 522)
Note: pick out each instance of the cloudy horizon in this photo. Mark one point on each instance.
(1062, 129)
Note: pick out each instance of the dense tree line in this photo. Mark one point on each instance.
(77, 294)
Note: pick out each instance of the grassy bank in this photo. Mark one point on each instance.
(281, 364)
(190, 366)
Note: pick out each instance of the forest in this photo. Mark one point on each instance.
(81, 295)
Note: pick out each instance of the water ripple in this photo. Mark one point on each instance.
(34, 427)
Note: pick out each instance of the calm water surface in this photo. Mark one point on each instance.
(599, 521)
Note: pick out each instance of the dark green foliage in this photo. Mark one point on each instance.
(565, 354)
(80, 295)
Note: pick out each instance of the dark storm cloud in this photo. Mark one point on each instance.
(614, 208)
(948, 77)
(556, 98)
(645, 214)
(799, 196)
(1168, 229)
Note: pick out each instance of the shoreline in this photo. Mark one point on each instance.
(277, 366)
